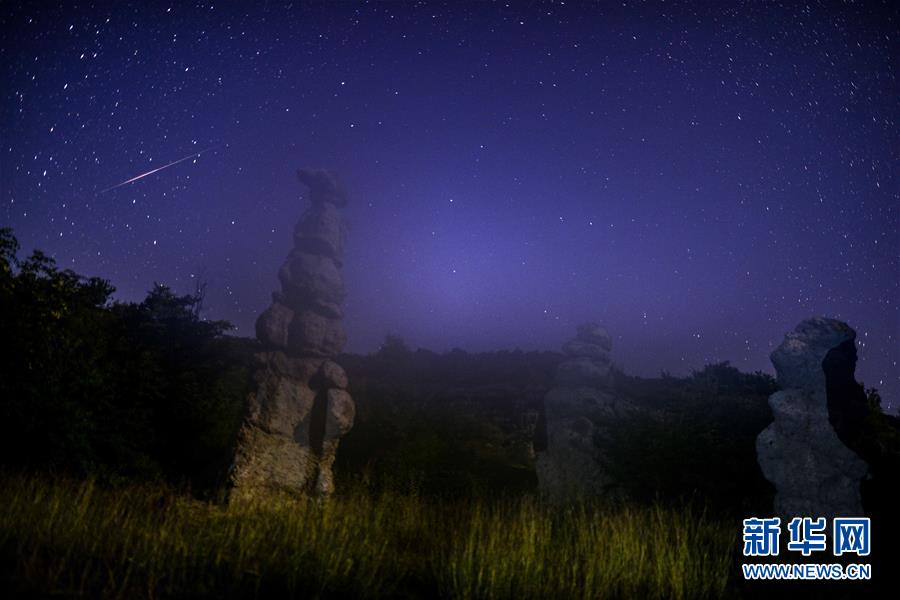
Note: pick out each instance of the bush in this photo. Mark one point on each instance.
(112, 390)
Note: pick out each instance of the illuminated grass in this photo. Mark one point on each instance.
(75, 538)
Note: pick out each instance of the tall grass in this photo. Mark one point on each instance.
(69, 537)
(529, 550)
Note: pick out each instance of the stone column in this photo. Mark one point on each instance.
(568, 458)
(300, 407)
(814, 473)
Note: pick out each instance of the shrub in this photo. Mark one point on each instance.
(112, 390)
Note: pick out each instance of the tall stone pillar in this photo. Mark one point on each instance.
(569, 462)
(300, 407)
(814, 473)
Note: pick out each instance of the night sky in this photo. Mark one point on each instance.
(699, 182)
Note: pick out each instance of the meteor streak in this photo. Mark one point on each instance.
(142, 175)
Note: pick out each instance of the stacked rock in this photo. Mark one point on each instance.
(814, 473)
(300, 407)
(569, 458)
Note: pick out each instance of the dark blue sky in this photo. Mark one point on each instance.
(697, 181)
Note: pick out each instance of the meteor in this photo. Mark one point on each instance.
(142, 175)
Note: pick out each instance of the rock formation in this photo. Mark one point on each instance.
(300, 407)
(814, 473)
(569, 458)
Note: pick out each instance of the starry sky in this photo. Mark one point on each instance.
(698, 180)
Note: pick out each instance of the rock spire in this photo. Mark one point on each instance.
(300, 407)
(569, 458)
(814, 473)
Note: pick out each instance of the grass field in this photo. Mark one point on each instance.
(60, 537)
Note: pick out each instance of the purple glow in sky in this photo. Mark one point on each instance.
(698, 180)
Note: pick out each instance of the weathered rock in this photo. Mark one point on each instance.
(324, 484)
(281, 403)
(264, 463)
(324, 186)
(798, 360)
(340, 415)
(814, 473)
(313, 334)
(321, 231)
(586, 349)
(569, 459)
(593, 333)
(289, 366)
(331, 375)
(272, 325)
(582, 372)
(570, 464)
(299, 409)
(564, 403)
(311, 280)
